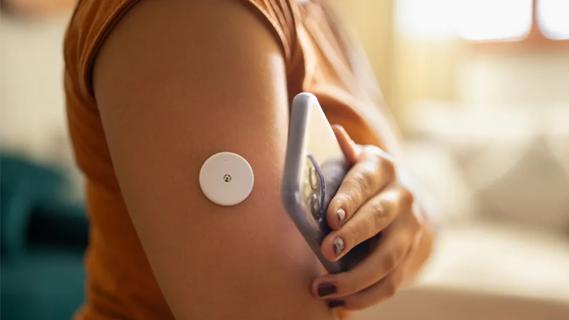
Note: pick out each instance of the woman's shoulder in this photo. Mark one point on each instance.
(89, 25)
(94, 20)
(283, 17)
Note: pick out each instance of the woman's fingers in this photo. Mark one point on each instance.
(365, 179)
(375, 215)
(372, 170)
(350, 149)
(383, 289)
(378, 292)
(361, 208)
(392, 249)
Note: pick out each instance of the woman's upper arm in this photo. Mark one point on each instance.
(175, 82)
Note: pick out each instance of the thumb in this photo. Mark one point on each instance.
(350, 149)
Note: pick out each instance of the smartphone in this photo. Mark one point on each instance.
(314, 169)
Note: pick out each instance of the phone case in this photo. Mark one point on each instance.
(314, 169)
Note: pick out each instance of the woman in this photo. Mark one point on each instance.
(156, 87)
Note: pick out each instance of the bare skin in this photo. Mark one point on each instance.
(171, 95)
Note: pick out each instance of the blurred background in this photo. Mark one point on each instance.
(480, 89)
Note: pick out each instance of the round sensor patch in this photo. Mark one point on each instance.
(226, 178)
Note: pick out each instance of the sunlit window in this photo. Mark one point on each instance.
(424, 19)
(482, 20)
(485, 20)
(553, 18)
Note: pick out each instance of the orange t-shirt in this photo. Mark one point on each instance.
(319, 58)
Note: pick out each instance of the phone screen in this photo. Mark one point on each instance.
(319, 184)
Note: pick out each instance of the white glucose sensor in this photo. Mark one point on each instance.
(226, 178)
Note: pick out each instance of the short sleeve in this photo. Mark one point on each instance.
(90, 24)
(282, 18)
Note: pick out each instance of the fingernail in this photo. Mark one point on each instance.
(338, 245)
(341, 215)
(325, 289)
(335, 303)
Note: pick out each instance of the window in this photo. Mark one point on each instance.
(484, 20)
(553, 18)
(492, 20)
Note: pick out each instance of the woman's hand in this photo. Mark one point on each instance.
(371, 199)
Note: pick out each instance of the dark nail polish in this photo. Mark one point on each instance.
(335, 303)
(325, 289)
